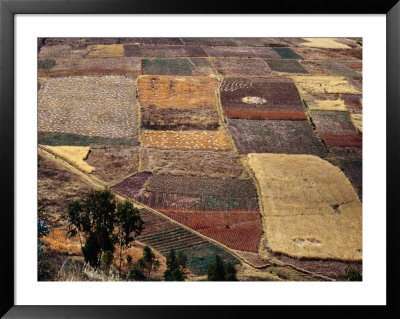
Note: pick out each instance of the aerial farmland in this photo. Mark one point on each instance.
(199, 159)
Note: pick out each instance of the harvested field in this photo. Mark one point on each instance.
(112, 163)
(323, 84)
(178, 119)
(177, 92)
(193, 140)
(275, 136)
(167, 67)
(236, 229)
(322, 54)
(292, 66)
(287, 53)
(128, 67)
(306, 214)
(328, 43)
(332, 122)
(260, 94)
(163, 235)
(89, 106)
(132, 186)
(56, 52)
(343, 140)
(313, 67)
(215, 164)
(244, 67)
(266, 42)
(74, 155)
(106, 51)
(56, 188)
(261, 114)
(59, 139)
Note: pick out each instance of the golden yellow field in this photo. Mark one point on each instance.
(327, 105)
(200, 140)
(177, 91)
(106, 51)
(323, 84)
(310, 208)
(327, 43)
(357, 121)
(74, 155)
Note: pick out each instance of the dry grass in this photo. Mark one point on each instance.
(311, 210)
(323, 84)
(106, 51)
(327, 105)
(59, 241)
(327, 43)
(201, 140)
(74, 155)
(357, 121)
(177, 92)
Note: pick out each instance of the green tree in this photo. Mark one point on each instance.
(129, 224)
(148, 262)
(218, 271)
(176, 267)
(103, 224)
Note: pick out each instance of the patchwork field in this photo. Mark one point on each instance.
(246, 148)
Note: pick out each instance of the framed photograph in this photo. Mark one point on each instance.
(166, 155)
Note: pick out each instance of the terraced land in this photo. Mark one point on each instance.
(249, 148)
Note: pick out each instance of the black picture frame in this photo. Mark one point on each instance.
(8, 8)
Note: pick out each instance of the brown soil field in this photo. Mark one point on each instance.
(216, 164)
(343, 140)
(306, 214)
(90, 106)
(353, 103)
(178, 119)
(260, 94)
(333, 122)
(243, 67)
(261, 114)
(151, 41)
(275, 136)
(161, 51)
(177, 92)
(78, 43)
(193, 140)
(208, 42)
(129, 67)
(241, 52)
(61, 52)
(53, 176)
(112, 163)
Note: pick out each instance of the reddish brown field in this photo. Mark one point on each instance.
(343, 140)
(237, 229)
